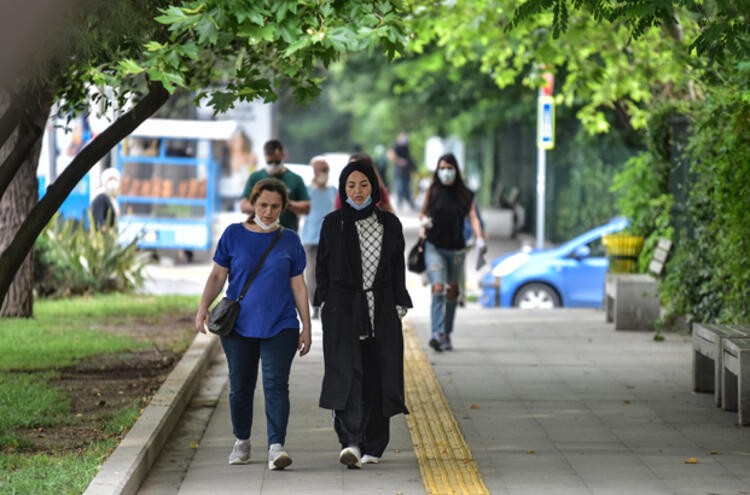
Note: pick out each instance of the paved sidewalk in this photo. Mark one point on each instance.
(311, 442)
(551, 402)
(558, 402)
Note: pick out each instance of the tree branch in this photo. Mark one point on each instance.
(27, 137)
(13, 256)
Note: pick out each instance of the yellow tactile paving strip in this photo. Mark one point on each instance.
(445, 460)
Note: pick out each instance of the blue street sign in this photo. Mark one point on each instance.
(546, 123)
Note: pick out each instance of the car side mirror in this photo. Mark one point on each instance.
(582, 252)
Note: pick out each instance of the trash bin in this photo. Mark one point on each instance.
(623, 251)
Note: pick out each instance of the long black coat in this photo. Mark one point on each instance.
(339, 286)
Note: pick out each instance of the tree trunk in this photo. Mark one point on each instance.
(14, 254)
(28, 140)
(20, 195)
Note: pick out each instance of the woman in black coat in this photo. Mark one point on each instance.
(362, 291)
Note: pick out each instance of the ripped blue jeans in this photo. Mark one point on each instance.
(443, 267)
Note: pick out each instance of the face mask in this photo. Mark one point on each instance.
(447, 176)
(322, 179)
(275, 168)
(357, 207)
(265, 226)
(111, 187)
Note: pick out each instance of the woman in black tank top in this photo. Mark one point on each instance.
(447, 203)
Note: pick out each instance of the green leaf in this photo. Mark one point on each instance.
(296, 46)
(171, 15)
(154, 46)
(130, 67)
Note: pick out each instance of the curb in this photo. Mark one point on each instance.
(127, 467)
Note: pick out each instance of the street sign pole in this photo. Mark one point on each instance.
(541, 179)
(545, 141)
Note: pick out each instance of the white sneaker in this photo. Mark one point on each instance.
(351, 457)
(278, 459)
(240, 452)
(370, 459)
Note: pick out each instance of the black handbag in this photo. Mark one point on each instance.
(415, 261)
(223, 316)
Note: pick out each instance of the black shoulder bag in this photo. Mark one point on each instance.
(415, 261)
(224, 315)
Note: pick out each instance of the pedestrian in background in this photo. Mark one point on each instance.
(104, 208)
(322, 200)
(362, 294)
(267, 329)
(403, 168)
(447, 202)
(381, 161)
(299, 201)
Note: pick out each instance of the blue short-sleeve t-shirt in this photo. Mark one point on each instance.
(268, 306)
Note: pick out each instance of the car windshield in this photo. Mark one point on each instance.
(593, 237)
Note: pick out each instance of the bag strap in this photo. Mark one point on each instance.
(260, 264)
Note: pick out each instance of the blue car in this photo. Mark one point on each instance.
(571, 275)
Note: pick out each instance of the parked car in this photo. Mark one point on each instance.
(571, 275)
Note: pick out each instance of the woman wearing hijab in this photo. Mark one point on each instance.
(447, 203)
(361, 288)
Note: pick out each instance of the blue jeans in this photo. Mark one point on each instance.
(443, 267)
(275, 355)
(402, 179)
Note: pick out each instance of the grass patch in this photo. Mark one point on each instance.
(64, 331)
(72, 334)
(119, 306)
(123, 420)
(26, 401)
(65, 474)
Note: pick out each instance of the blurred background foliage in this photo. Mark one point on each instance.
(652, 120)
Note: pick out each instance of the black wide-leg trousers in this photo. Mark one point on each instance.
(361, 422)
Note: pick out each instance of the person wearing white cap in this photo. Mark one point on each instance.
(104, 208)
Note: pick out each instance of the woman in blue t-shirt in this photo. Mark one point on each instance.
(267, 329)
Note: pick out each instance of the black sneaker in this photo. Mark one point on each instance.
(435, 344)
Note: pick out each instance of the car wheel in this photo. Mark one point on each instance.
(536, 296)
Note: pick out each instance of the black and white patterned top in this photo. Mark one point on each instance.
(370, 233)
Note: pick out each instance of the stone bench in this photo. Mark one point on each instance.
(735, 377)
(708, 352)
(631, 301)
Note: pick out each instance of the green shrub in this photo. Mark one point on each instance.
(708, 275)
(72, 260)
(583, 168)
(642, 186)
(706, 278)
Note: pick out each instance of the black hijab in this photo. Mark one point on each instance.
(365, 168)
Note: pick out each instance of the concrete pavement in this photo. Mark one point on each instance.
(548, 402)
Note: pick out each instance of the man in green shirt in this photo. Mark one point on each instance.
(299, 201)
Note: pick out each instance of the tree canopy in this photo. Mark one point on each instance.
(134, 54)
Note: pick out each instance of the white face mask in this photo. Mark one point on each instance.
(275, 169)
(265, 226)
(322, 179)
(447, 176)
(111, 187)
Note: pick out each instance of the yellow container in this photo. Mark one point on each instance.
(623, 251)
